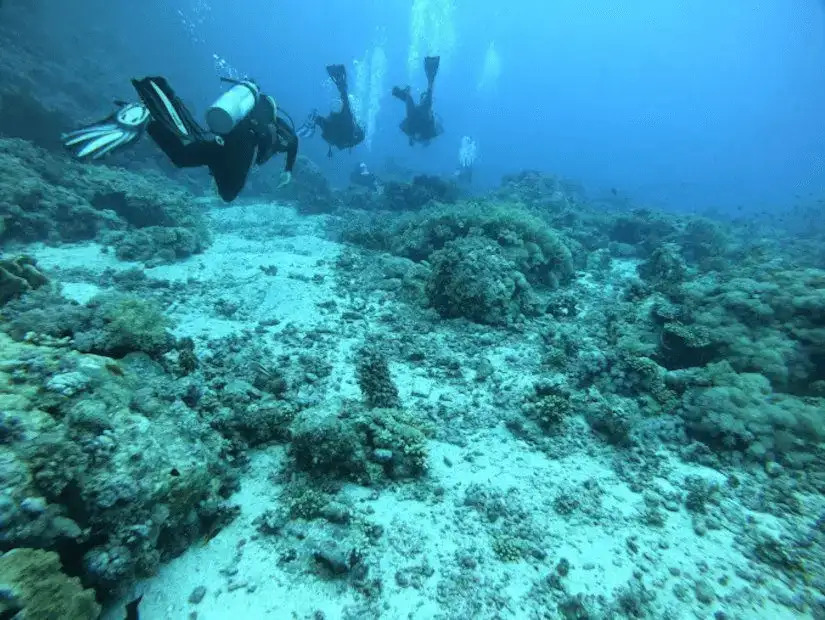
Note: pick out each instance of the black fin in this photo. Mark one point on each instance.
(338, 74)
(431, 64)
(167, 109)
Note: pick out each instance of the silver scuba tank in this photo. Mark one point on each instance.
(232, 107)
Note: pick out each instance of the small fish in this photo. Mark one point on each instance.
(132, 609)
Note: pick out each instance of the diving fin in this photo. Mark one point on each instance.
(431, 64)
(338, 74)
(167, 109)
(113, 132)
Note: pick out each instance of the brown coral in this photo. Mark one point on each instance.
(18, 276)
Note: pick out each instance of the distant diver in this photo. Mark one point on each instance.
(362, 177)
(421, 124)
(338, 129)
(467, 156)
(245, 129)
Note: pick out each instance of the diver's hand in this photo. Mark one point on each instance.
(286, 179)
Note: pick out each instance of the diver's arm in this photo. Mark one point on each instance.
(290, 140)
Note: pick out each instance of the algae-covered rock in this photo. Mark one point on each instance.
(366, 446)
(18, 276)
(34, 587)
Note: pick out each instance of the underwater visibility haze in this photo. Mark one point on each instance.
(422, 309)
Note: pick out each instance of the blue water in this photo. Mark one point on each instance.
(559, 390)
(686, 105)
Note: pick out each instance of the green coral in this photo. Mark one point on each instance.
(473, 278)
(122, 324)
(665, 267)
(536, 250)
(375, 380)
(548, 405)
(507, 548)
(649, 378)
(770, 323)
(739, 411)
(36, 588)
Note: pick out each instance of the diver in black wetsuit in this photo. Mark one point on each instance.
(254, 134)
(420, 124)
(338, 129)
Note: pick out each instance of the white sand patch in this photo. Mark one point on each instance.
(434, 534)
(90, 256)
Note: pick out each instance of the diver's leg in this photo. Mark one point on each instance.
(307, 129)
(166, 108)
(338, 74)
(182, 154)
(403, 94)
(431, 64)
(231, 163)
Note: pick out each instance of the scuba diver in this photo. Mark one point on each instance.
(339, 129)
(245, 129)
(467, 155)
(362, 177)
(420, 124)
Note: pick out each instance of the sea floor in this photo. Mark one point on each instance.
(443, 549)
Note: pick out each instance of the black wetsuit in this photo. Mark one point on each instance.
(230, 157)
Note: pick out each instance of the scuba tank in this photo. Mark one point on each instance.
(233, 106)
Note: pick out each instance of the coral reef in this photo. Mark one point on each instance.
(36, 588)
(99, 464)
(18, 276)
(421, 191)
(472, 278)
(142, 216)
(461, 393)
(111, 324)
(369, 447)
(309, 190)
